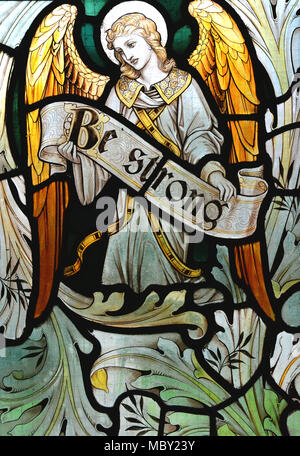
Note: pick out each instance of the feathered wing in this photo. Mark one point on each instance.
(54, 67)
(223, 61)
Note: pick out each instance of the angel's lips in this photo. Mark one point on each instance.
(134, 61)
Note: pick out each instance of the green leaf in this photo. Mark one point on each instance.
(181, 381)
(278, 182)
(274, 408)
(214, 363)
(212, 354)
(15, 268)
(41, 391)
(135, 428)
(31, 355)
(17, 412)
(146, 417)
(246, 340)
(8, 267)
(39, 361)
(246, 353)
(173, 373)
(154, 418)
(142, 433)
(240, 339)
(293, 421)
(282, 203)
(2, 291)
(224, 431)
(132, 420)
(234, 355)
(128, 408)
(290, 171)
(281, 171)
(271, 428)
(189, 424)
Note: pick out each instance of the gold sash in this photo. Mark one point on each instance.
(146, 122)
(168, 251)
(96, 236)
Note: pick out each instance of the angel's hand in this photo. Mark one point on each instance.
(69, 151)
(225, 187)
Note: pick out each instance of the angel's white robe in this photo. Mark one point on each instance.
(133, 255)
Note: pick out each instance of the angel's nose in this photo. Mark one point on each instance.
(128, 55)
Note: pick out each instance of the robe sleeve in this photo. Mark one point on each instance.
(90, 178)
(113, 101)
(198, 130)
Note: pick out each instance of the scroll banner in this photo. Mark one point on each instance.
(141, 166)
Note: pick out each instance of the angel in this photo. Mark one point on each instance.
(167, 103)
(151, 81)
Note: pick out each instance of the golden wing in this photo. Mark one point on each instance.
(223, 61)
(54, 67)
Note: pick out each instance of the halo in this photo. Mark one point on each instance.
(129, 7)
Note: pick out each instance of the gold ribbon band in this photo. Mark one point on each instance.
(168, 251)
(117, 226)
(87, 241)
(152, 129)
(154, 113)
(96, 236)
(146, 122)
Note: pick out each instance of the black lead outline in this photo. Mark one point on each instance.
(20, 53)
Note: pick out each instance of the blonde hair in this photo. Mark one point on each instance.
(140, 25)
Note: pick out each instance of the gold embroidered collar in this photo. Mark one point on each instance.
(169, 88)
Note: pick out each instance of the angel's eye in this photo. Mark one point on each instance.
(131, 44)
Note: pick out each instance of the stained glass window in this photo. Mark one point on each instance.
(149, 235)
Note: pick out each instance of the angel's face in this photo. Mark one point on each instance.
(134, 50)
